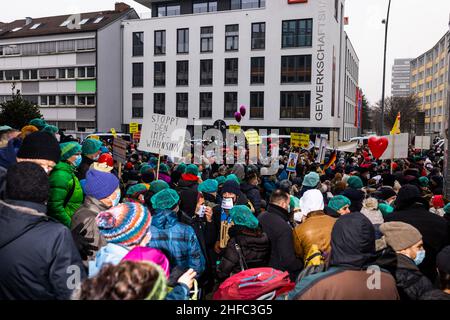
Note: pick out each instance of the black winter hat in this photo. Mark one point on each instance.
(40, 145)
(27, 181)
(443, 260)
(231, 186)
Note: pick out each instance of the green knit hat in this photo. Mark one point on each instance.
(146, 168)
(158, 185)
(164, 168)
(221, 180)
(243, 216)
(136, 190)
(424, 181)
(50, 129)
(355, 182)
(91, 146)
(208, 186)
(38, 123)
(192, 169)
(338, 202)
(69, 149)
(165, 199)
(181, 168)
(232, 177)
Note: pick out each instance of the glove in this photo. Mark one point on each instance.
(83, 244)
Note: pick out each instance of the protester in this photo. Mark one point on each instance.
(250, 188)
(354, 193)
(443, 268)
(90, 152)
(189, 179)
(338, 206)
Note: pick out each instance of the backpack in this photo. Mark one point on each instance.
(315, 262)
(254, 284)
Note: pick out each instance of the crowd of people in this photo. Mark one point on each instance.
(71, 227)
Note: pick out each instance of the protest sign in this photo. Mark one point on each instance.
(134, 127)
(235, 129)
(322, 150)
(252, 137)
(300, 140)
(292, 162)
(120, 150)
(349, 147)
(163, 135)
(422, 142)
(397, 147)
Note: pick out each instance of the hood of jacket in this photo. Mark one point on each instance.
(189, 198)
(8, 154)
(354, 194)
(109, 254)
(246, 187)
(353, 242)
(164, 219)
(19, 216)
(404, 262)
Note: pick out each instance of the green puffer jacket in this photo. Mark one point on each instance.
(61, 183)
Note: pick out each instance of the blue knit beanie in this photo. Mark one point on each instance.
(100, 185)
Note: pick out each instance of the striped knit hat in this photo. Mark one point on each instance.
(127, 224)
(69, 149)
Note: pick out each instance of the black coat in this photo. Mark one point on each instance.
(255, 247)
(253, 195)
(356, 197)
(84, 167)
(275, 222)
(35, 253)
(433, 228)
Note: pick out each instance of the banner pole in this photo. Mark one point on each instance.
(393, 153)
(159, 162)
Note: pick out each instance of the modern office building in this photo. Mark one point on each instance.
(68, 65)
(352, 112)
(429, 82)
(401, 74)
(284, 60)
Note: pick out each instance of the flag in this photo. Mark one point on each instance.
(396, 127)
(332, 160)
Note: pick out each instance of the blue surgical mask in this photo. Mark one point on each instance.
(116, 199)
(77, 161)
(419, 257)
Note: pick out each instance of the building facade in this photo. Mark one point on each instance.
(68, 65)
(284, 60)
(352, 111)
(401, 74)
(429, 82)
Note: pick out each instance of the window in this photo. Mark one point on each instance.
(204, 6)
(82, 72)
(70, 73)
(257, 70)
(206, 72)
(159, 77)
(65, 23)
(31, 99)
(160, 42)
(47, 47)
(169, 10)
(159, 103)
(257, 105)
(296, 69)
(62, 73)
(206, 39)
(231, 71)
(230, 104)
(206, 105)
(86, 44)
(66, 125)
(183, 41)
(67, 100)
(12, 50)
(297, 33)
(137, 105)
(258, 35)
(66, 46)
(138, 44)
(295, 105)
(30, 74)
(48, 100)
(84, 21)
(247, 4)
(47, 74)
(98, 20)
(182, 73)
(88, 100)
(182, 105)
(35, 26)
(90, 72)
(232, 37)
(30, 49)
(138, 74)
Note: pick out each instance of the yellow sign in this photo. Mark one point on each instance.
(114, 133)
(134, 127)
(235, 129)
(252, 137)
(94, 137)
(300, 140)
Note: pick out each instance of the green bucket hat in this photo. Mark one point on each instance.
(146, 168)
(91, 146)
(158, 185)
(136, 190)
(338, 202)
(164, 168)
(208, 186)
(69, 149)
(232, 177)
(192, 169)
(165, 199)
(221, 180)
(50, 129)
(355, 182)
(424, 181)
(243, 216)
(181, 168)
(38, 123)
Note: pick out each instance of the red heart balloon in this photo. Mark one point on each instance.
(378, 146)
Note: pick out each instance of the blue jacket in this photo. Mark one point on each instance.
(269, 187)
(109, 254)
(178, 241)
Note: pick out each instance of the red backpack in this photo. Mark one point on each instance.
(254, 284)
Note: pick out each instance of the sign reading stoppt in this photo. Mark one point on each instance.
(163, 135)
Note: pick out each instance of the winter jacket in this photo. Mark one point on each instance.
(275, 223)
(110, 254)
(375, 216)
(7, 159)
(86, 215)
(188, 181)
(164, 177)
(269, 187)
(84, 167)
(316, 229)
(356, 197)
(62, 180)
(255, 248)
(253, 195)
(411, 283)
(178, 241)
(35, 253)
(433, 228)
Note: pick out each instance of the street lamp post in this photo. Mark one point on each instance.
(386, 23)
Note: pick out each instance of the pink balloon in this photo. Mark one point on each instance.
(243, 110)
(237, 116)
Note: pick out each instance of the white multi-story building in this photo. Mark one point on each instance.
(68, 65)
(283, 59)
(352, 116)
(401, 74)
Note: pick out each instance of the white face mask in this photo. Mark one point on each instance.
(227, 203)
(298, 216)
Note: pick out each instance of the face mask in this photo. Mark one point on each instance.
(116, 199)
(227, 203)
(96, 157)
(419, 257)
(77, 161)
(298, 217)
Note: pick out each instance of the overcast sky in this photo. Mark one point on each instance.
(415, 26)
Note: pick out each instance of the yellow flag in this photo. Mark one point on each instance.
(396, 127)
